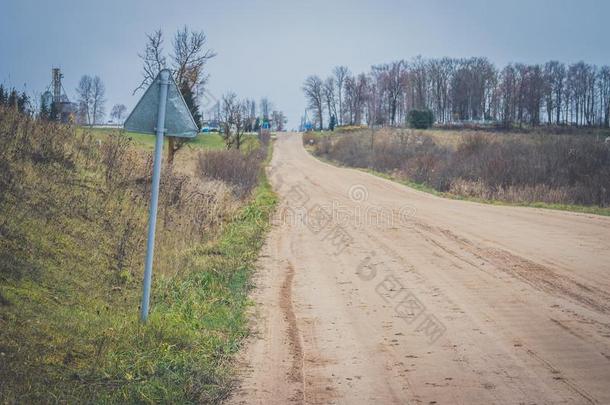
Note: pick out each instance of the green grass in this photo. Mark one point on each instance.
(147, 141)
(66, 339)
(208, 141)
(199, 320)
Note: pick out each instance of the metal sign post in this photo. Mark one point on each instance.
(161, 100)
(154, 198)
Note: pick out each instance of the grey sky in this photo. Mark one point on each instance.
(267, 48)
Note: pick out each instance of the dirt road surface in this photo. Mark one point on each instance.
(372, 292)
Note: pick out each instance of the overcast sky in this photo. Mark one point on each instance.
(267, 48)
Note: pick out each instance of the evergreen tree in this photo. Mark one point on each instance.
(420, 119)
(22, 102)
(45, 112)
(333, 122)
(191, 103)
(12, 98)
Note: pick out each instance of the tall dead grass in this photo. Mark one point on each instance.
(521, 168)
(54, 177)
(240, 170)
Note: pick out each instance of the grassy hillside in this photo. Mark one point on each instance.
(560, 171)
(73, 215)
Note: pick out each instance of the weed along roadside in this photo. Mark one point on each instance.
(72, 259)
(204, 314)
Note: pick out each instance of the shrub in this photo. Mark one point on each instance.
(240, 170)
(420, 119)
(512, 167)
(349, 150)
(310, 138)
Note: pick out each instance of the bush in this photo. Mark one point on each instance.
(420, 119)
(350, 150)
(240, 170)
(310, 138)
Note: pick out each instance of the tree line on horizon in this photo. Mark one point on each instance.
(463, 90)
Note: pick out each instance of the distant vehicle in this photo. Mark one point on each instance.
(210, 126)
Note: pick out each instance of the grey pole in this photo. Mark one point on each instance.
(154, 198)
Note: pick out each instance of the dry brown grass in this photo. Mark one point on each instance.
(238, 169)
(514, 167)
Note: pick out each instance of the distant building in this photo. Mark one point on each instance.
(56, 101)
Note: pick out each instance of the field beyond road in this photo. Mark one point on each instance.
(569, 170)
(373, 292)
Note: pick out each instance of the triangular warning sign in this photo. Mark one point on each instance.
(178, 119)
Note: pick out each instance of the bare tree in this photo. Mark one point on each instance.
(313, 89)
(228, 104)
(360, 97)
(604, 94)
(373, 104)
(419, 82)
(153, 60)
(265, 108)
(240, 119)
(189, 56)
(85, 98)
(533, 88)
(234, 116)
(118, 112)
(251, 115)
(340, 73)
(441, 72)
(98, 93)
(349, 90)
(278, 119)
(507, 89)
(389, 85)
(580, 85)
(329, 97)
(554, 75)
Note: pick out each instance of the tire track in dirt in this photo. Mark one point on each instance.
(536, 275)
(556, 371)
(295, 373)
